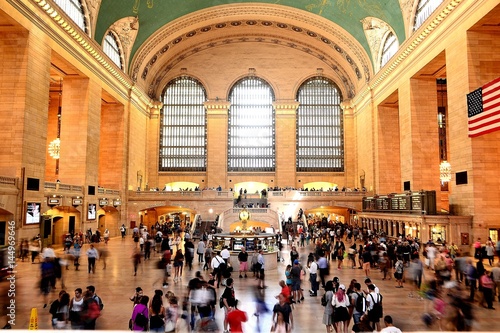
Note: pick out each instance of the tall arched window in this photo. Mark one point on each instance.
(183, 130)
(251, 141)
(112, 50)
(389, 48)
(424, 9)
(320, 127)
(74, 9)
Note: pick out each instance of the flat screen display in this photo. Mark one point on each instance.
(33, 212)
(91, 214)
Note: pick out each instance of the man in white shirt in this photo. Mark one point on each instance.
(225, 254)
(372, 299)
(216, 261)
(313, 277)
(389, 327)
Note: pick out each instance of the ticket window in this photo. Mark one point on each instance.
(438, 234)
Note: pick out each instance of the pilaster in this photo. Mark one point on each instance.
(286, 128)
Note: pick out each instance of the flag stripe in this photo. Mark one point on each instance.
(483, 106)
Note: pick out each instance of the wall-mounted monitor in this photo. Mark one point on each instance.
(32, 184)
(91, 213)
(33, 212)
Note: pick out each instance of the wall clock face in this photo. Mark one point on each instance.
(244, 215)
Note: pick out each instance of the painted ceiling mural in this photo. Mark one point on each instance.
(152, 15)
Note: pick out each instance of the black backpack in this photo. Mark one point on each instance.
(360, 303)
(141, 320)
(98, 299)
(323, 300)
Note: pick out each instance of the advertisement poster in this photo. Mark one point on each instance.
(33, 212)
(92, 212)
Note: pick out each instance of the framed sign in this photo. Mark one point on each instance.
(77, 202)
(33, 212)
(91, 213)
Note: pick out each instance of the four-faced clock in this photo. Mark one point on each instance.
(244, 215)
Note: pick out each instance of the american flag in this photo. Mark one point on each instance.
(483, 106)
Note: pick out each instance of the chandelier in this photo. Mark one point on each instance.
(445, 171)
(55, 148)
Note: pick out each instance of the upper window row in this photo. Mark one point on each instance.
(251, 127)
(76, 12)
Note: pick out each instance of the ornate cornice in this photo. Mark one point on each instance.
(217, 107)
(286, 108)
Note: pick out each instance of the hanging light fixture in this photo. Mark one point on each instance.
(55, 148)
(55, 145)
(445, 171)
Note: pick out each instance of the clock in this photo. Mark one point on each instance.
(244, 215)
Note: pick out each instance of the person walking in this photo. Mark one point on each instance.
(261, 263)
(488, 286)
(92, 256)
(200, 250)
(228, 301)
(284, 309)
(140, 315)
(313, 277)
(75, 310)
(399, 271)
(236, 318)
(328, 311)
(243, 259)
(178, 264)
(389, 327)
(340, 303)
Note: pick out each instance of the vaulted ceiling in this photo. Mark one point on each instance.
(159, 35)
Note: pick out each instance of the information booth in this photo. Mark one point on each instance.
(252, 242)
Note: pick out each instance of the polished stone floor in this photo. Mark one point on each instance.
(117, 283)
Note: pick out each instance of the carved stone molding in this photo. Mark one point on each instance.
(126, 30)
(375, 30)
(93, 11)
(217, 107)
(407, 11)
(286, 108)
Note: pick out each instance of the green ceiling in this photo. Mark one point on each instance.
(153, 14)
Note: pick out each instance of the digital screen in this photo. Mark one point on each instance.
(33, 212)
(91, 215)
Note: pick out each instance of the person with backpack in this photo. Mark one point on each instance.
(140, 315)
(90, 311)
(358, 302)
(328, 311)
(374, 307)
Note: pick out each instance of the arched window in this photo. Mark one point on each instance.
(320, 127)
(251, 141)
(112, 50)
(183, 126)
(389, 48)
(74, 9)
(424, 9)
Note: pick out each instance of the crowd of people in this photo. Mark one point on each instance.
(457, 281)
